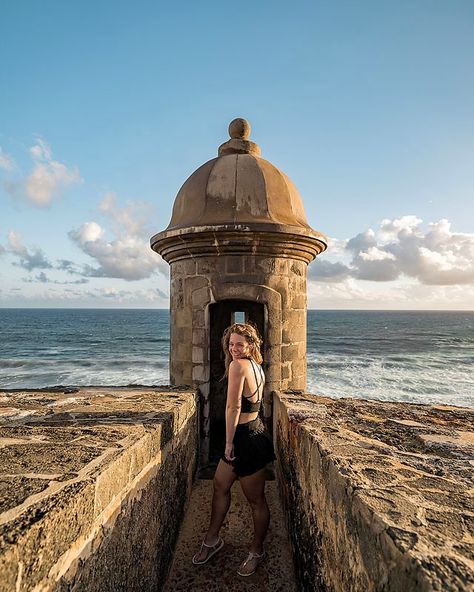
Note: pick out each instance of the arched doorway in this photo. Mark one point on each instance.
(221, 315)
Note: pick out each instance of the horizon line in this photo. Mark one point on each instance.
(168, 309)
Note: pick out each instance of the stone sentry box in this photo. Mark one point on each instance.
(238, 245)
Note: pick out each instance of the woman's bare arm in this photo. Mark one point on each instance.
(234, 391)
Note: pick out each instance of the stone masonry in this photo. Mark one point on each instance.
(278, 282)
(378, 496)
(93, 487)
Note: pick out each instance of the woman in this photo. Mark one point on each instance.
(248, 446)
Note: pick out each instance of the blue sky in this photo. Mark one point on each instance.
(106, 108)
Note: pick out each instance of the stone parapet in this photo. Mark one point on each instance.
(93, 486)
(379, 496)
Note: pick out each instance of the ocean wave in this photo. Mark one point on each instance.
(84, 377)
(14, 363)
(416, 357)
(418, 381)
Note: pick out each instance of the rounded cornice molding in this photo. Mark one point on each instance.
(262, 241)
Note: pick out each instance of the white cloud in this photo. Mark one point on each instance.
(49, 176)
(400, 248)
(6, 162)
(89, 232)
(128, 258)
(402, 294)
(348, 293)
(375, 254)
(327, 271)
(390, 229)
(128, 255)
(336, 247)
(45, 182)
(362, 241)
(41, 151)
(382, 270)
(132, 219)
(34, 259)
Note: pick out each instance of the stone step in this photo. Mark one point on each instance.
(275, 574)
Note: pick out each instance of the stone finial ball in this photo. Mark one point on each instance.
(239, 128)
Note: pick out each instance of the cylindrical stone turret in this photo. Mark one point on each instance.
(238, 245)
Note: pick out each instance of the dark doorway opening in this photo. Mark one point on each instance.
(222, 314)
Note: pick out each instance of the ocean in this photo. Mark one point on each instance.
(421, 357)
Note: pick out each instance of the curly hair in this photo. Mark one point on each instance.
(253, 339)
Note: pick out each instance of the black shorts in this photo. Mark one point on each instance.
(253, 448)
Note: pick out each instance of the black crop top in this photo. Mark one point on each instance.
(248, 406)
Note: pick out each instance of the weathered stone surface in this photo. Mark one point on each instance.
(87, 482)
(379, 495)
(200, 373)
(193, 283)
(234, 264)
(198, 354)
(199, 319)
(199, 337)
(182, 319)
(298, 301)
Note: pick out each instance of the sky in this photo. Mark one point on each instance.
(106, 108)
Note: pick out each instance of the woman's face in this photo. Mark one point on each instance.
(238, 346)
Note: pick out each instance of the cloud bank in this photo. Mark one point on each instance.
(401, 264)
(400, 248)
(128, 256)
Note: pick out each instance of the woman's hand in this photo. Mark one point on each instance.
(229, 452)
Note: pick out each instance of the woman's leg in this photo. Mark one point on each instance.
(253, 487)
(223, 481)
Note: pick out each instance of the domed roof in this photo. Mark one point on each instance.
(238, 202)
(238, 187)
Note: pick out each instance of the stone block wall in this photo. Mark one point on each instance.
(278, 282)
(378, 496)
(93, 487)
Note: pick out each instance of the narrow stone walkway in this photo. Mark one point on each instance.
(275, 574)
